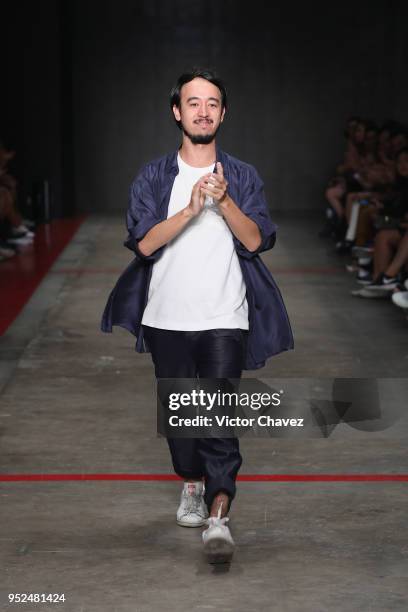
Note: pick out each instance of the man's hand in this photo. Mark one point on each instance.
(196, 204)
(215, 185)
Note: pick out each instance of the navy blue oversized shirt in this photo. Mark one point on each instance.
(269, 328)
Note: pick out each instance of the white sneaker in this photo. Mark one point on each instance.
(400, 299)
(22, 240)
(365, 293)
(192, 511)
(218, 542)
(22, 229)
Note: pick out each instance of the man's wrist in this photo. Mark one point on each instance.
(187, 213)
(225, 203)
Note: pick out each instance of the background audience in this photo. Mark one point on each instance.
(367, 212)
(13, 229)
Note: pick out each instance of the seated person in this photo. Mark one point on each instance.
(8, 200)
(389, 202)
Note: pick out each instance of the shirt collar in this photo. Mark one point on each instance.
(172, 165)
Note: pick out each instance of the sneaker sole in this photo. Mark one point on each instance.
(382, 288)
(362, 251)
(364, 293)
(218, 550)
(185, 524)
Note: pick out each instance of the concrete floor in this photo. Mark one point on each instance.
(76, 400)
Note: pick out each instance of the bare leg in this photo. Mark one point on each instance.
(386, 242)
(220, 498)
(365, 226)
(333, 196)
(401, 257)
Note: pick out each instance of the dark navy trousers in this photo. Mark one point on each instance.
(213, 353)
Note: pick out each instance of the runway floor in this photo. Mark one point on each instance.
(76, 401)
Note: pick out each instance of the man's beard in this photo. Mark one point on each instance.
(201, 138)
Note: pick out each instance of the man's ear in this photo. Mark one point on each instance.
(222, 116)
(176, 112)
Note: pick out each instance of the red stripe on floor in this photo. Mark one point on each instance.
(242, 477)
(21, 275)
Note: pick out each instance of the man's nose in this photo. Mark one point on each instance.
(203, 111)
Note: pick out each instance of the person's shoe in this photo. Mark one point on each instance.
(218, 542)
(20, 241)
(344, 246)
(364, 277)
(400, 299)
(6, 254)
(383, 283)
(365, 261)
(364, 293)
(363, 251)
(29, 224)
(192, 511)
(20, 231)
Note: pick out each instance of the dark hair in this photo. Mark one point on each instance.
(355, 118)
(195, 73)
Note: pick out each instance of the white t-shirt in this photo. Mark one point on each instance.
(197, 283)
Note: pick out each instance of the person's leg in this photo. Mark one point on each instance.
(334, 195)
(172, 358)
(220, 355)
(365, 226)
(400, 259)
(386, 242)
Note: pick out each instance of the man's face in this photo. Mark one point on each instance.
(200, 111)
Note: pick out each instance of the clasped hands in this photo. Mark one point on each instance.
(211, 184)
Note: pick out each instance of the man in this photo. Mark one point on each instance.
(197, 296)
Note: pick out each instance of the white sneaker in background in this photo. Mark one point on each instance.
(400, 299)
(6, 254)
(192, 511)
(365, 293)
(20, 240)
(22, 230)
(218, 542)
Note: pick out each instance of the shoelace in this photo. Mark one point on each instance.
(193, 503)
(217, 521)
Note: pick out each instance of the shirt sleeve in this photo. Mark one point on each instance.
(253, 204)
(141, 215)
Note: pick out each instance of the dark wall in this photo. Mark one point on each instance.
(88, 83)
(35, 104)
(293, 73)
